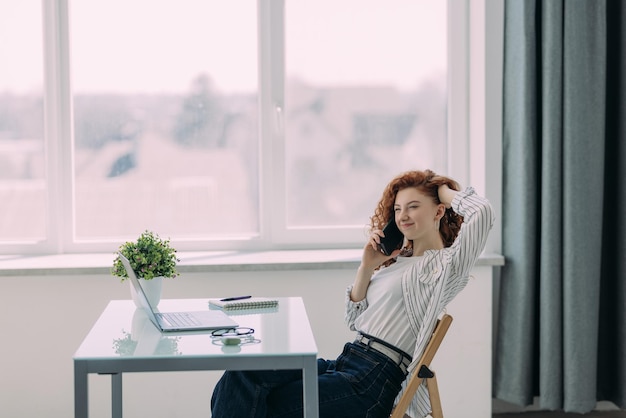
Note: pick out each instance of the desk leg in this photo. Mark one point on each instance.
(310, 389)
(116, 395)
(81, 391)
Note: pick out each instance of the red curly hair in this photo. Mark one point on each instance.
(427, 182)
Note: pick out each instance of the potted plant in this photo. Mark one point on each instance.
(151, 258)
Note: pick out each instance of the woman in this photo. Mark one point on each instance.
(393, 304)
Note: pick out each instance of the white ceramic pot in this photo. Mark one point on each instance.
(152, 289)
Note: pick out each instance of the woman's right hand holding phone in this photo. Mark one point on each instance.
(371, 259)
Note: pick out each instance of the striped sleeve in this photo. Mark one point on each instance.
(478, 219)
(353, 309)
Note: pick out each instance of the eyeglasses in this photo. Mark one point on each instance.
(232, 332)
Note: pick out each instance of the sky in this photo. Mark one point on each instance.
(154, 46)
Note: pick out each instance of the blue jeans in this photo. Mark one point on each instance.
(361, 383)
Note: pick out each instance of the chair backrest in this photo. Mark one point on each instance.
(422, 371)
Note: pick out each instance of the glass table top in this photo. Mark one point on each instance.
(124, 331)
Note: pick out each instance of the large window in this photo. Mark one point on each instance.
(22, 151)
(221, 125)
(165, 118)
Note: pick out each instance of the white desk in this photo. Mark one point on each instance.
(123, 340)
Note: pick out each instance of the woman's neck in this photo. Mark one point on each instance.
(419, 247)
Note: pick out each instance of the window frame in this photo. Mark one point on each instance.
(465, 20)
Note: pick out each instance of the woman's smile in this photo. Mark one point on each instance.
(406, 225)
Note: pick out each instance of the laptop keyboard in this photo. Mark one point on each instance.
(179, 319)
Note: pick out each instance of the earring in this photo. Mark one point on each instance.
(437, 224)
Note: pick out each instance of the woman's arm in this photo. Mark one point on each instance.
(361, 283)
(478, 218)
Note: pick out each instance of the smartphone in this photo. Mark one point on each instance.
(393, 238)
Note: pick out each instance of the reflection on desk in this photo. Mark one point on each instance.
(144, 339)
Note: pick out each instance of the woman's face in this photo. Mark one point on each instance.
(416, 214)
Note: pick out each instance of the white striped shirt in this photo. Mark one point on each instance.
(430, 283)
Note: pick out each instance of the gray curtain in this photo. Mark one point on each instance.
(561, 333)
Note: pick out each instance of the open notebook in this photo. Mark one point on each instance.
(250, 303)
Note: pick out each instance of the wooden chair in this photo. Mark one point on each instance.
(423, 372)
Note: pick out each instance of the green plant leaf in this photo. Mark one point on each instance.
(150, 256)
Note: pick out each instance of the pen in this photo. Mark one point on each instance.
(235, 298)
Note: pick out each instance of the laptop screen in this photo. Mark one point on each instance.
(141, 296)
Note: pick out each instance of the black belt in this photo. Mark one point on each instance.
(398, 356)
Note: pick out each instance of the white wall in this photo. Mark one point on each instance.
(57, 312)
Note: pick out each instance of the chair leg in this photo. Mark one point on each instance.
(435, 401)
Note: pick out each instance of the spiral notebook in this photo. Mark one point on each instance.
(250, 303)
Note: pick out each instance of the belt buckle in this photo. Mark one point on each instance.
(364, 340)
(367, 342)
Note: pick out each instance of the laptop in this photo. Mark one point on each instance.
(178, 321)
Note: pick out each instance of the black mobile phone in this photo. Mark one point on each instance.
(393, 238)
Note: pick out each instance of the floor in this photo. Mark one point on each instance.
(551, 414)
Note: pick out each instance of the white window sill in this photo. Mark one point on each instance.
(70, 264)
